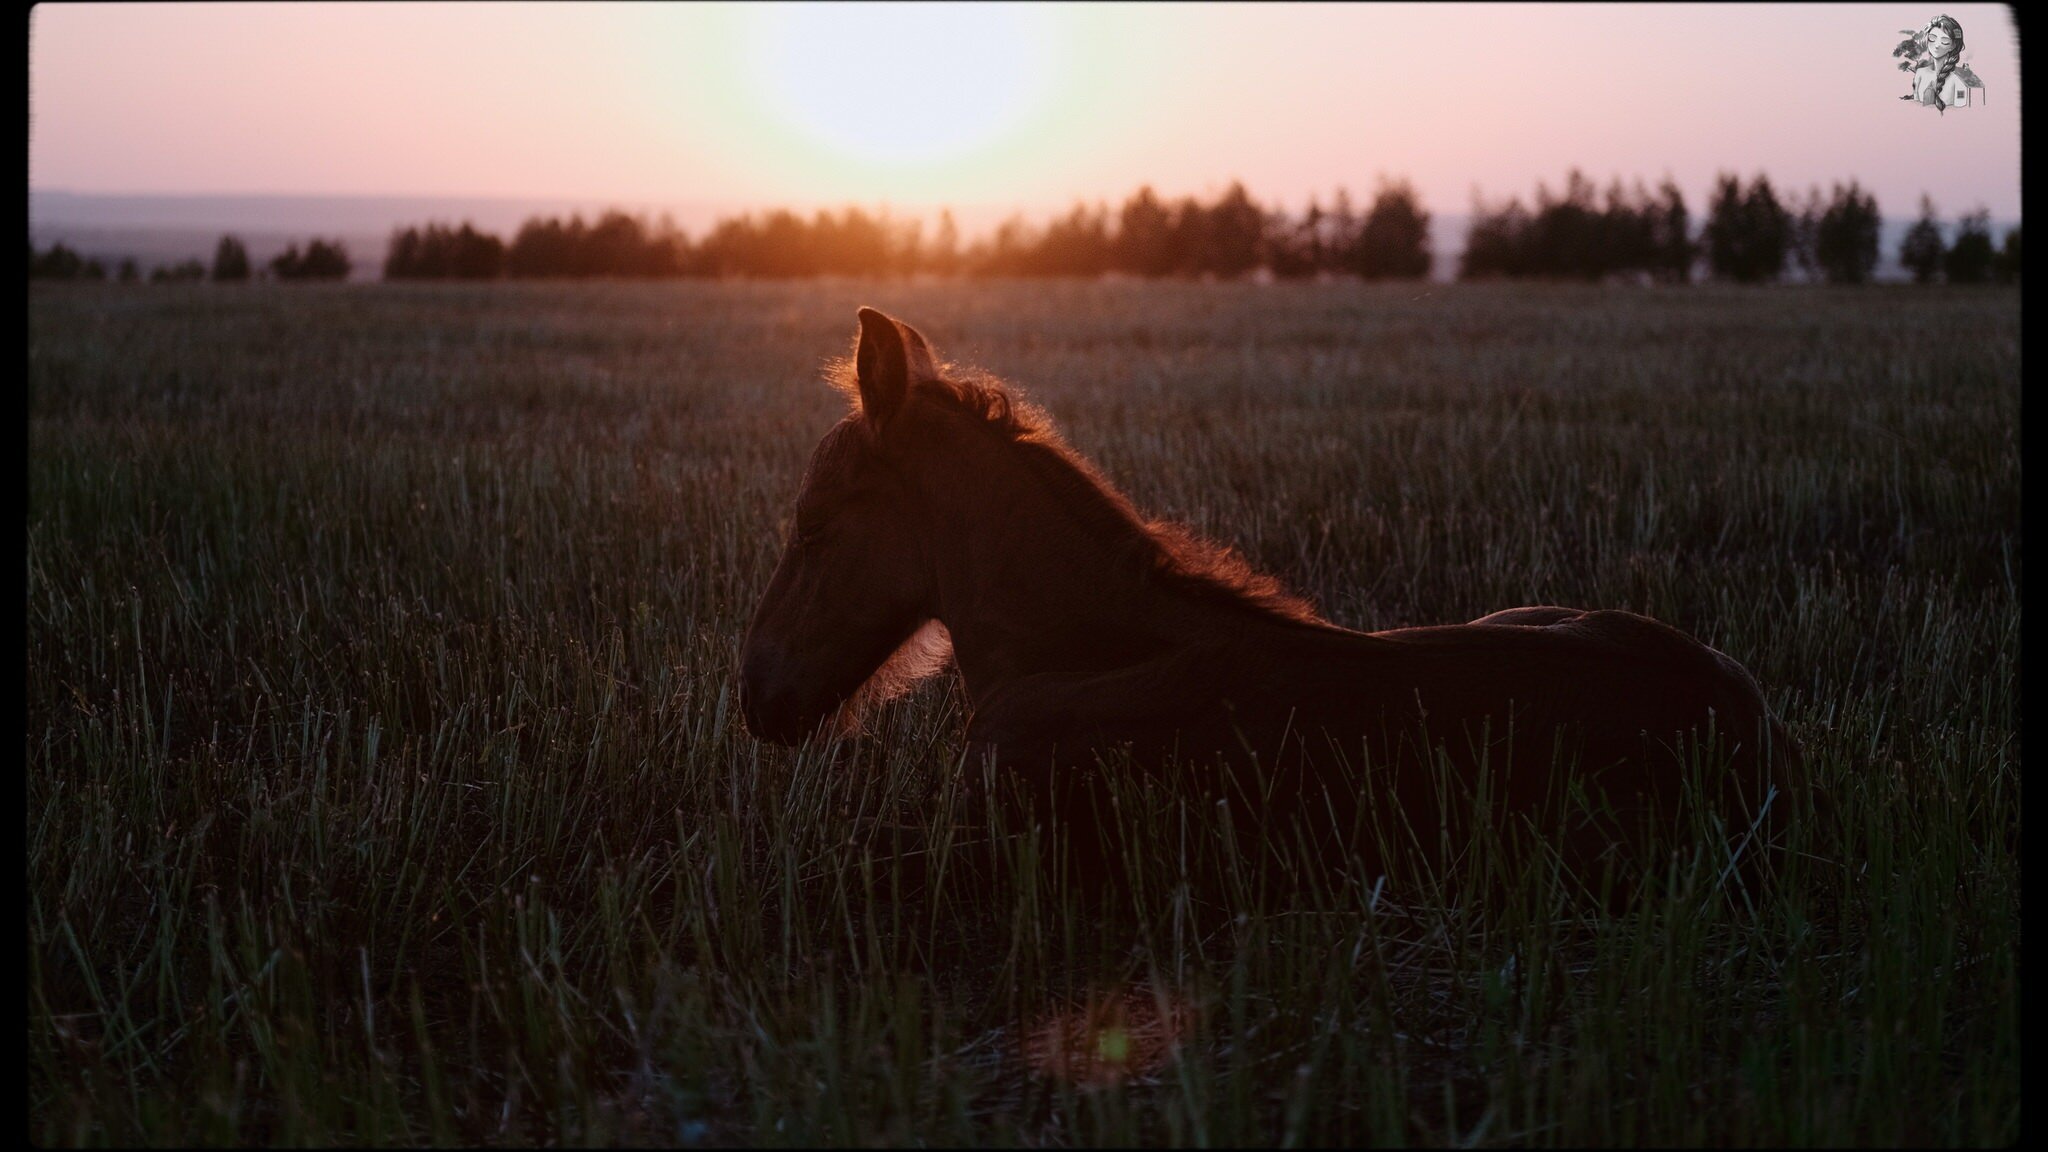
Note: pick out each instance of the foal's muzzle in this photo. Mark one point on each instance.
(773, 710)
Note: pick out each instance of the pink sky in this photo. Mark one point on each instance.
(755, 106)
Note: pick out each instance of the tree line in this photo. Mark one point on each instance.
(319, 260)
(1751, 234)
(1148, 236)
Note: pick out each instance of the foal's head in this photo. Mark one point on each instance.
(848, 615)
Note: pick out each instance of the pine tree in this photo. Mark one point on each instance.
(1845, 237)
(1921, 250)
(1394, 242)
(230, 261)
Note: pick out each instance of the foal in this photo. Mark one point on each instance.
(1079, 627)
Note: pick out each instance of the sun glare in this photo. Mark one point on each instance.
(902, 84)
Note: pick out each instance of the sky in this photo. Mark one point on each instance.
(914, 106)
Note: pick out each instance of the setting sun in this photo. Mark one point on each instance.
(902, 84)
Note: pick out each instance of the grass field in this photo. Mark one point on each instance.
(385, 781)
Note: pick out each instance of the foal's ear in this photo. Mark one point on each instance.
(892, 359)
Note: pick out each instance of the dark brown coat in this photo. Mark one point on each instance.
(1079, 627)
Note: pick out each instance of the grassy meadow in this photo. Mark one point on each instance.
(385, 781)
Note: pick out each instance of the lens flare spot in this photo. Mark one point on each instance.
(1109, 1038)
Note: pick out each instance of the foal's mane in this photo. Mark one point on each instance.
(1168, 551)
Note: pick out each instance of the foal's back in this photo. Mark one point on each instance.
(1616, 725)
(1596, 722)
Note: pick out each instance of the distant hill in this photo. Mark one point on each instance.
(365, 214)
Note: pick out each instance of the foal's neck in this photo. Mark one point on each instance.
(1042, 572)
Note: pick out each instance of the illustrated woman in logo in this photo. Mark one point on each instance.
(1935, 58)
